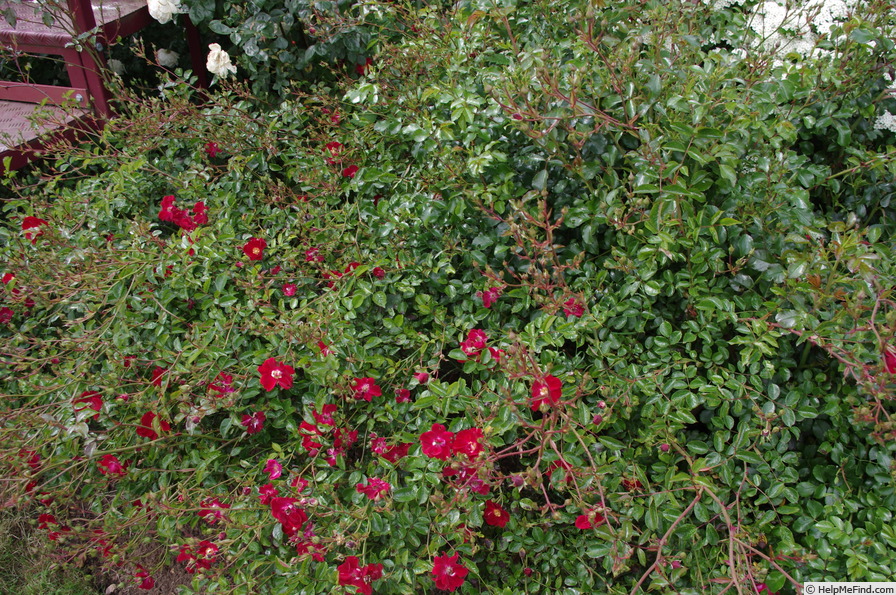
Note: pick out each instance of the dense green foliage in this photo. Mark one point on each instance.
(634, 202)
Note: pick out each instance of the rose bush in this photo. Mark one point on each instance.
(605, 304)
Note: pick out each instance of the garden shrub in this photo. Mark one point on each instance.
(588, 302)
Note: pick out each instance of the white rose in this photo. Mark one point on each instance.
(218, 62)
(167, 58)
(163, 10)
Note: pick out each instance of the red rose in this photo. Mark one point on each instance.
(495, 515)
(267, 492)
(313, 255)
(288, 513)
(546, 391)
(489, 296)
(146, 581)
(110, 465)
(91, 399)
(394, 453)
(361, 69)
(158, 375)
(254, 248)
(253, 423)
(351, 574)
(289, 289)
(334, 148)
(222, 384)
(366, 389)
(467, 442)
(438, 443)
(587, 521)
(447, 573)
(273, 468)
(199, 213)
(374, 489)
(890, 360)
(146, 428)
(573, 308)
(212, 510)
(274, 373)
(212, 149)
(475, 343)
(32, 228)
(350, 171)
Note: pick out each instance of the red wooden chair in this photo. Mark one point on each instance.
(24, 126)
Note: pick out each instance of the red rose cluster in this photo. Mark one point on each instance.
(439, 443)
(181, 217)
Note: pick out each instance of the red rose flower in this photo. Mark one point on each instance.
(890, 360)
(379, 273)
(374, 489)
(350, 171)
(7, 278)
(437, 443)
(467, 442)
(325, 416)
(201, 558)
(273, 373)
(273, 468)
(5, 315)
(200, 211)
(421, 377)
(254, 248)
(32, 228)
(489, 296)
(362, 68)
(495, 515)
(158, 375)
(334, 148)
(110, 465)
(142, 577)
(313, 255)
(402, 395)
(394, 453)
(253, 423)
(147, 429)
(351, 574)
(289, 289)
(212, 510)
(91, 399)
(212, 149)
(267, 492)
(589, 520)
(324, 348)
(447, 573)
(475, 343)
(288, 513)
(366, 389)
(222, 384)
(573, 308)
(466, 478)
(546, 391)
